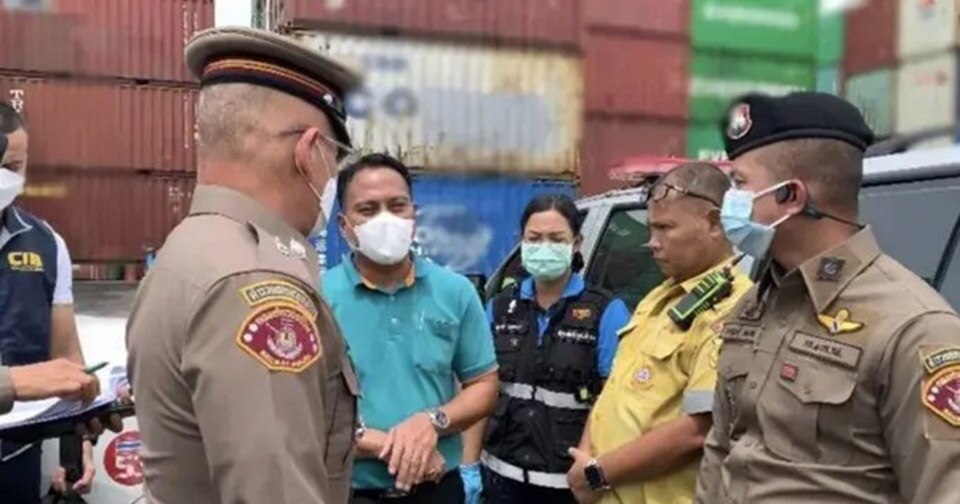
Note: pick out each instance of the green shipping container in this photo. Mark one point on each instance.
(874, 94)
(704, 142)
(781, 28)
(715, 80)
(828, 80)
(830, 35)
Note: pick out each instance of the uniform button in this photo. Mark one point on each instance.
(394, 321)
(531, 414)
(728, 369)
(752, 385)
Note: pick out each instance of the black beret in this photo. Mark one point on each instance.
(755, 120)
(230, 54)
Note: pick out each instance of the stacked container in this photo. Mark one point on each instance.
(740, 46)
(636, 57)
(110, 109)
(482, 99)
(870, 62)
(926, 82)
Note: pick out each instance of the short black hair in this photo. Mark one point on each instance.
(368, 162)
(565, 206)
(10, 119)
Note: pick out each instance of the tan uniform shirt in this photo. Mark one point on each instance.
(837, 386)
(244, 391)
(6, 390)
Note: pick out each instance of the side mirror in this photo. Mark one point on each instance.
(479, 282)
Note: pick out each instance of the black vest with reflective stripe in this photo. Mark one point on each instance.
(529, 433)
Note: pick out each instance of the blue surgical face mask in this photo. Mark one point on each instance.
(750, 237)
(546, 261)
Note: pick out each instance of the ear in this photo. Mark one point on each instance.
(577, 242)
(800, 197)
(304, 155)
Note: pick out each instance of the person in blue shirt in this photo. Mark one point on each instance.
(555, 338)
(418, 338)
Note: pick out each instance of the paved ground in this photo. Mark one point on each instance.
(104, 299)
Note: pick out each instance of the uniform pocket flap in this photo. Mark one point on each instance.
(815, 383)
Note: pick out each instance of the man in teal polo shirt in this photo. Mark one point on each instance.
(415, 331)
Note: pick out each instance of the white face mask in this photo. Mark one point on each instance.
(384, 239)
(11, 186)
(326, 198)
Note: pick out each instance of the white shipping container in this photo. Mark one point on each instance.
(927, 94)
(927, 26)
(457, 107)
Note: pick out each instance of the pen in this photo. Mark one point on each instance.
(96, 367)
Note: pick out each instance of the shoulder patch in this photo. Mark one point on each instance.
(940, 358)
(941, 394)
(277, 291)
(281, 336)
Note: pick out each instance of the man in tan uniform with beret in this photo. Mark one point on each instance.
(838, 372)
(244, 391)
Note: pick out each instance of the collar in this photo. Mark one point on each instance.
(826, 275)
(417, 271)
(575, 286)
(13, 222)
(671, 288)
(208, 199)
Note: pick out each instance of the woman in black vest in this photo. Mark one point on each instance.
(555, 338)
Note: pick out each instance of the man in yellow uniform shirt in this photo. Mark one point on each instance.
(644, 436)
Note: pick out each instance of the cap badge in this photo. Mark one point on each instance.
(740, 122)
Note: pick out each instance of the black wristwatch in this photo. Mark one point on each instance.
(595, 476)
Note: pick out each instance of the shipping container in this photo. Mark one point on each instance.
(108, 215)
(871, 36)
(927, 27)
(782, 28)
(104, 124)
(648, 16)
(830, 38)
(137, 39)
(874, 93)
(618, 76)
(705, 142)
(609, 140)
(526, 22)
(462, 107)
(715, 80)
(38, 42)
(468, 224)
(828, 80)
(927, 94)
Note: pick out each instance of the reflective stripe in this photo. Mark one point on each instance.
(542, 395)
(540, 479)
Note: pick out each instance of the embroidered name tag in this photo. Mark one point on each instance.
(739, 332)
(826, 349)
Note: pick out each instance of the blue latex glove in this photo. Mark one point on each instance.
(472, 482)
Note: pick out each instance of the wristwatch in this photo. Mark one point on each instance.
(439, 419)
(595, 478)
(360, 430)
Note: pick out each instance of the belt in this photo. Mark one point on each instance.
(395, 493)
(510, 471)
(542, 395)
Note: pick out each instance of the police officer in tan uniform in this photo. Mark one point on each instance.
(840, 371)
(244, 391)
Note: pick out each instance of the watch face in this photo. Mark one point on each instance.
(442, 419)
(594, 477)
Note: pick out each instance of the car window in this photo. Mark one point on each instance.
(894, 212)
(623, 263)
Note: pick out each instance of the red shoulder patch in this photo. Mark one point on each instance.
(941, 394)
(282, 336)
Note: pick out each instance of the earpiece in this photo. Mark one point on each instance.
(784, 194)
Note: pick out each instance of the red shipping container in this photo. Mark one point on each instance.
(871, 36)
(108, 215)
(106, 125)
(530, 22)
(630, 75)
(609, 140)
(668, 17)
(38, 42)
(137, 39)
